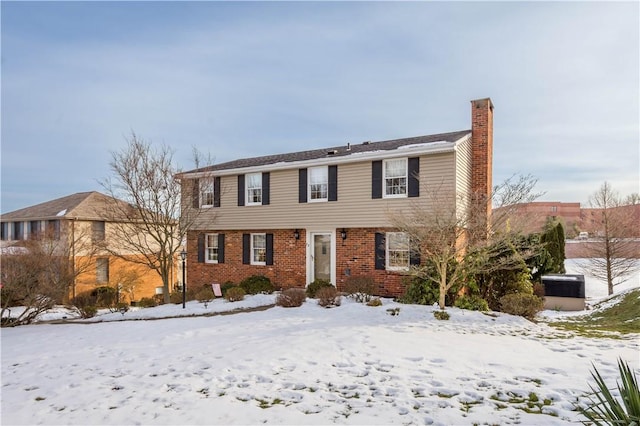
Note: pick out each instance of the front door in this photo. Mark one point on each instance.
(321, 256)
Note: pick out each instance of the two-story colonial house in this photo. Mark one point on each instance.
(82, 229)
(324, 213)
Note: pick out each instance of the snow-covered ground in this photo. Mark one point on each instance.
(351, 364)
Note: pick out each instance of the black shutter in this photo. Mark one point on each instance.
(380, 251)
(414, 257)
(246, 249)
(195, 193)
(302, 185)
(216, 191)
(376, 179)
(269, 254)
(241, 190)
(333, 183)
(414, 177)
(200, 248)
(220, 248)
(265, 188)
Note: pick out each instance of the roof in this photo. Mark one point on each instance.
(82, 205)
(336, 151)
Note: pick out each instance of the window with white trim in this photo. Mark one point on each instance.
(395, 178)
(258, 249)
(211, 248)
(318, 183)
(397, 251)
(253, 184)
(206, 192)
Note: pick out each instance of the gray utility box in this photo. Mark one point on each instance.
(564, 292)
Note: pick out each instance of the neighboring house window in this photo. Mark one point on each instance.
(258, 249)
(397, 250)
(395, 177)
(206, 192)
(53, 229)
(4, 231)
(211, 248)
(34, 229)
(318, 183)
(97, 229)
(254, 188)
(18, 231)
(102, 270)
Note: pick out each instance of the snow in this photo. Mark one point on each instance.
(351, 364)
(61, 213)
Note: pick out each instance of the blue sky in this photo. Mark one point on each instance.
(239, 79)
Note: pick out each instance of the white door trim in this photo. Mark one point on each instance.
(310, 234)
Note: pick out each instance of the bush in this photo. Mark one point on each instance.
(175, 298)
(316, 285)
(256, 284)
(235, 294)
(205, 294)
(147, 302)
(441, 315)
(374, 302)
(226, 286)
(522, 304)
(538, 290)
(471, 303)
(360, 288)
(291, 298)
(100, 297)
(328, 297)
(88, 311)
(420, 292)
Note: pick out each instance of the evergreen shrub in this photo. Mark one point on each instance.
(235, 294)
(522, 304)
(257, 284)
(316, 285)
(471, 303)
(419, 292)
(147, 302)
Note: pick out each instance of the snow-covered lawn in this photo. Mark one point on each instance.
(351, 364)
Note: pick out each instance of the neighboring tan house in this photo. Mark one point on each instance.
(78, 221)
(324, 213)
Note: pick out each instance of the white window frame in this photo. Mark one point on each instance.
(323, 183)
(385, 178)
(388, 250)
(258, 252)
(252, 189)
(211, 249)
(207, 196)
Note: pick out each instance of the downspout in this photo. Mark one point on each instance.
(73, 255)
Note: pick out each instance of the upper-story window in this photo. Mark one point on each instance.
(397, 251)
(98, 230)
(395, 177)
(254, 188)
(211, 248)
(206, 192)
(318, 183)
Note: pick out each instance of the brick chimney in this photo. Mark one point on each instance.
(481, 164)
(482, 146)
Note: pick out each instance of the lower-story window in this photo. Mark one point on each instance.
(258, 249)
(211, 248)
(102, 270)
(397, 251)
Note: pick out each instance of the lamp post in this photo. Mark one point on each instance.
(183, 255)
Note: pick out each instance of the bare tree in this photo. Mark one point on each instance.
(445, 227)
(612, 252)
(146, 226)
(39, 273)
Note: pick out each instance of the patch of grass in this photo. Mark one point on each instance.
(620, 318)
